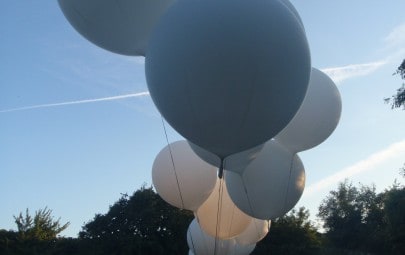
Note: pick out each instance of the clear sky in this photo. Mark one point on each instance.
(75, 133)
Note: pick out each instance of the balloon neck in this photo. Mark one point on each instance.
(221, 169)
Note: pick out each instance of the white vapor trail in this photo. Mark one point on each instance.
(396, 38)
(339, 74)
(362, 166)
(86, 101)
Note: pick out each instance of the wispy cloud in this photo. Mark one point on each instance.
(339, 74)
(394, 49)
(85, 101)
(378, 158)
(396, 38)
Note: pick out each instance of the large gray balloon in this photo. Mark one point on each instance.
(317, 117)
(228, 75)
(291, 7)
(271, 185)
(120, 26)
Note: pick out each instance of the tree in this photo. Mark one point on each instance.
(40, 227)
(395, 217)
(354, 219)
(139, 224)
(398, 99)
(36, 235)
(293, 233)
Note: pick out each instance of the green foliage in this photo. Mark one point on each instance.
(293, 233)
(40, 227)
(358, 220)
(36, 234)
(398, 99)
(10, 244)
(395, 217)
(140, 224)
(401, 70)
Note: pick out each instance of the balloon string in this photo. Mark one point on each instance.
(251, 207)
(230, 225)
(217, 228)
(256, 228)
(174, 166)
(233, 214)
(247, 194)
(289, 180)
(202, 233)
(251, 210)
(192, 242)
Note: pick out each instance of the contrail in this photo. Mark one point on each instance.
(86, 101)
(341, 73)
(362, 166)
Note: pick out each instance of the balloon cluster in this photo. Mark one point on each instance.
(234, 78)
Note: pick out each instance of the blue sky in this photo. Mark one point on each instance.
(75, 132)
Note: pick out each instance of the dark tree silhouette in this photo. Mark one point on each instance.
(139, 224)
(354, 220)
(395, 216)
(398, 99)
(291, 234)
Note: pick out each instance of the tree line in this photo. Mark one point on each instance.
(355, 220)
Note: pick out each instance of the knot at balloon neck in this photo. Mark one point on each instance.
(221, 169)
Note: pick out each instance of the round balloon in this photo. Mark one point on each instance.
(291, 7)
(201, 243)
(317, 117)
(236, 162)
(228, 75)
(238, 249)
(205, 155)
(271, 185)
(120, 26)
(255, 232)
(181, 178)
(219, 217)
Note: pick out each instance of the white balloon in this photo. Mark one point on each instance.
(236, 162)
(187, 181)
(120, 26)
(228, 75)
(219, 217)
(271, 185)
(238, 249)
(255, 232)
(201, 243)
(317, 117)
